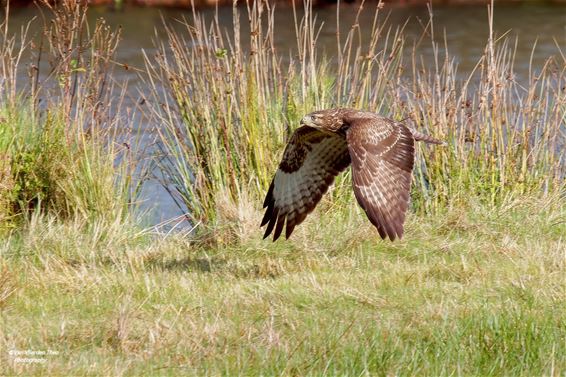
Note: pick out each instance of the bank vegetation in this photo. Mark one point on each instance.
(476, 287)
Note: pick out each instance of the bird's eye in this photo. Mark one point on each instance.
(313, 118)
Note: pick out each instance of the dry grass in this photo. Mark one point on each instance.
(475, 288)
(475, 292)
(227, 111)
(58, 131)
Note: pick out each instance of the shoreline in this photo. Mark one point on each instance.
(120, 4)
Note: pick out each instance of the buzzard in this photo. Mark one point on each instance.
(382, 155)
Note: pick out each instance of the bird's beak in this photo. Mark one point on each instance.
(307, 121)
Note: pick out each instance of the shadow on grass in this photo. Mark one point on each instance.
(189, 264)
(237, 268)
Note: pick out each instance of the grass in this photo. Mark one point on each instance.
(227, 109)
(37, 154)
(58, 138)
(475, 288)
(475, 292)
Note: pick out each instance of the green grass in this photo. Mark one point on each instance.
(478, 291)
(58, 149)
(50, 168)
(476, 287)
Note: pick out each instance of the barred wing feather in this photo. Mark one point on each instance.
(382, 154)
(311, 161)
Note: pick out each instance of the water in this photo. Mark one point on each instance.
(464, 27)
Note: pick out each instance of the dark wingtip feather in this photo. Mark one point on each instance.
(374, 218)
(267, 215)
(269, 195)
(289, 228)
(270, 204)
(271, 224)
(278, 228)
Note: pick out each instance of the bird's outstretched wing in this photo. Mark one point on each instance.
(382, 153)
(310, 162)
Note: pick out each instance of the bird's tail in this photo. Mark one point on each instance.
(419, 136)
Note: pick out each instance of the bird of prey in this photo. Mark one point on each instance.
(382, 155)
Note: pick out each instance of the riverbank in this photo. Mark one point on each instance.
(474, 288)
(212, 3)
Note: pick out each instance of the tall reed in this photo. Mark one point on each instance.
(506, 136)
(227, 110)
(58, 152)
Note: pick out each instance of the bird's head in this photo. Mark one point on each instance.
(324, 120)
(314, 119)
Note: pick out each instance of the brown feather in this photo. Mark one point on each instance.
(382, 161)
(382, 155)
(310, 162)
